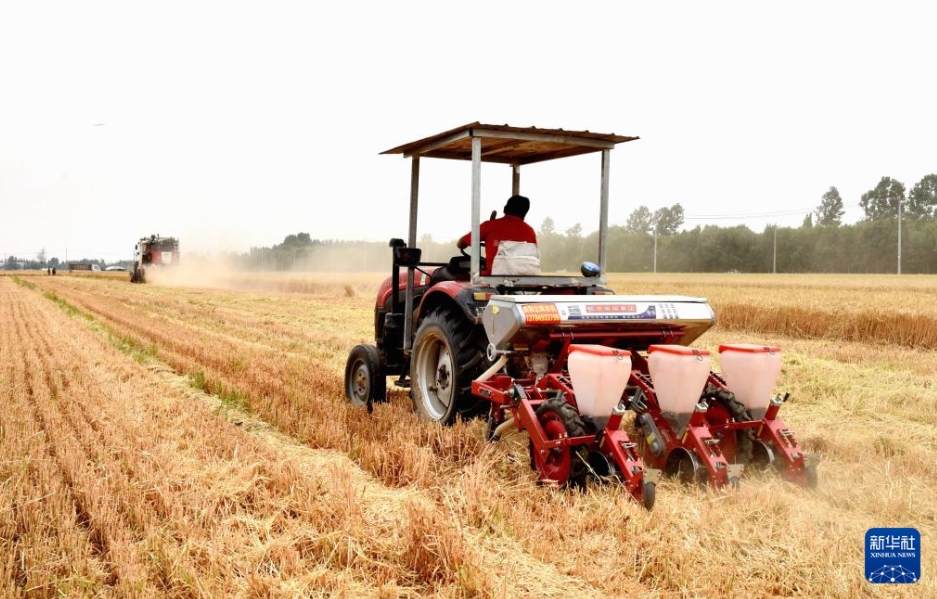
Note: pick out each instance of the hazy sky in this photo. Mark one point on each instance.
(234, 124)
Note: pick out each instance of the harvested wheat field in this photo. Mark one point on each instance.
(183, 441)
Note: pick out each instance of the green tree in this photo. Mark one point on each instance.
(920, 246)
(830, 251)
(300, 239)
(922, 201)
(808, 221)
(830, 211)
(619, 254)
(796, 249)
(547, 227)
(640, 221)
(682, 253)
(728, 249)
(552, 246)
(572, 248)
(883, 201)
(876, 250)
(667, 221)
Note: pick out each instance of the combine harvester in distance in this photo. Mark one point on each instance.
(153, 252)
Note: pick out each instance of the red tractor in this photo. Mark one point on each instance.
(556, 356)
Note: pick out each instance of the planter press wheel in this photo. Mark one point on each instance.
(565, 465)
(683, 465)
(762, 456)
(812, 480)
(648, 495)
(809, 480)
(737, 446)
(606, 471)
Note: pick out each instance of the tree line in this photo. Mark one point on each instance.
(40, 262)
(650, 241)
(821, 244)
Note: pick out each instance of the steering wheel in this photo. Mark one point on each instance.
(494, 215)
(468, 255)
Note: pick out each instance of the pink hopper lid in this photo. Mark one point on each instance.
(599, 350)
(677, 349)
(750, 348)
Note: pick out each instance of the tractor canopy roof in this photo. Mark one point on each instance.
(510, 145)
(476, 143)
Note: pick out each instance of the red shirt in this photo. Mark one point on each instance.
(493, 232)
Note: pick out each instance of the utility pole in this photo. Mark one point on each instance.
(774, 263)
(655, 249)
(899, 236)
(655, 225)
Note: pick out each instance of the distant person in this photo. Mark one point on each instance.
(49, 270)
(53, 270)
(510, 227)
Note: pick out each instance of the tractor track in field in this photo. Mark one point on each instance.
(378, 502)
(184, 353)
(91, 450)
(24, 335)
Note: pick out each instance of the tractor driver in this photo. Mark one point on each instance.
(510, 227)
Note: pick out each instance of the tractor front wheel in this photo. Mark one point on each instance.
(364, 380)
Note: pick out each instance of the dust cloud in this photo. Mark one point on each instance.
(332, 278)
(194, 274)
(307, 268)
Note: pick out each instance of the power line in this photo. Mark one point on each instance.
(746, 215)
(771, 214)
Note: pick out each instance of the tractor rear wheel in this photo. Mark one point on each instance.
(565, 465)
(364, 380)
(448, 353)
